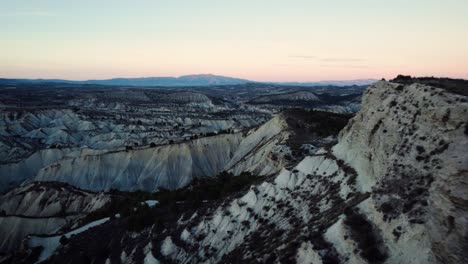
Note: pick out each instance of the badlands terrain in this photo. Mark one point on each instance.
(145, 138)
(234, 172)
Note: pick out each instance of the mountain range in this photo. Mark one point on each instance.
(186, 80)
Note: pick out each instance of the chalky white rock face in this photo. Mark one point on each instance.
(43, 208)
(253, 153)
(12, 174)
(393, 190)
(195, 99)
(41, 125)
(408, 145)
(31, 141)
(14, 229)
(294, 96)
(175, 165)
(49, 199)
(169, 166)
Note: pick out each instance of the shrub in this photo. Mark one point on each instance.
(140, 219)
(363, 232)
(386, 208)
(420, 149)
(63, 240)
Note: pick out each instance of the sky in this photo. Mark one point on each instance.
(261, 40)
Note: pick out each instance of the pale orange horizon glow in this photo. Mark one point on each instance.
(256, 40)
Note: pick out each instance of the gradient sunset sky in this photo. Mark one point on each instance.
(262, 40)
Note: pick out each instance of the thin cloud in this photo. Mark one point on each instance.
(306, 57)
(346, 66)
(284, 65)
(317, 58)
(340, 59)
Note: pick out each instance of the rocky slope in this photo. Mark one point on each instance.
(410, 150)
(30, 141)
(43, 208)
(12, 174)
(169, 166)
(343, 103)
(294, 96)
(42, 124)
(188, 98)
(254, 152)
(393, 190)
(263, 151)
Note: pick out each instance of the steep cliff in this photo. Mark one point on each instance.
(12, 174)
(408, 145)
(263, 150)
(169, 166)
(254, 152)
(43, 208)
(393, 190)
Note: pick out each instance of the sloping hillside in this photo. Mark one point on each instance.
(262, 151)
(294, 96)
(43, 208)
(169, 166)
(393, 190)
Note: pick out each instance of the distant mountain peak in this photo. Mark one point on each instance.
(203, 79)
(201, 75)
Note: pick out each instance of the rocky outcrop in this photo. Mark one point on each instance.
(294, 96)
(345, 103)
(48, 199)
(393, 190)
(408, 145)
(30, 141)
(14, 229)
(169, 166)
(12, 174)
(185, 98)
(43, 208)
(254, 152)
(261, 151)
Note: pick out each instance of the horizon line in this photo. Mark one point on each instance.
(184, 75)
(225, 76)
